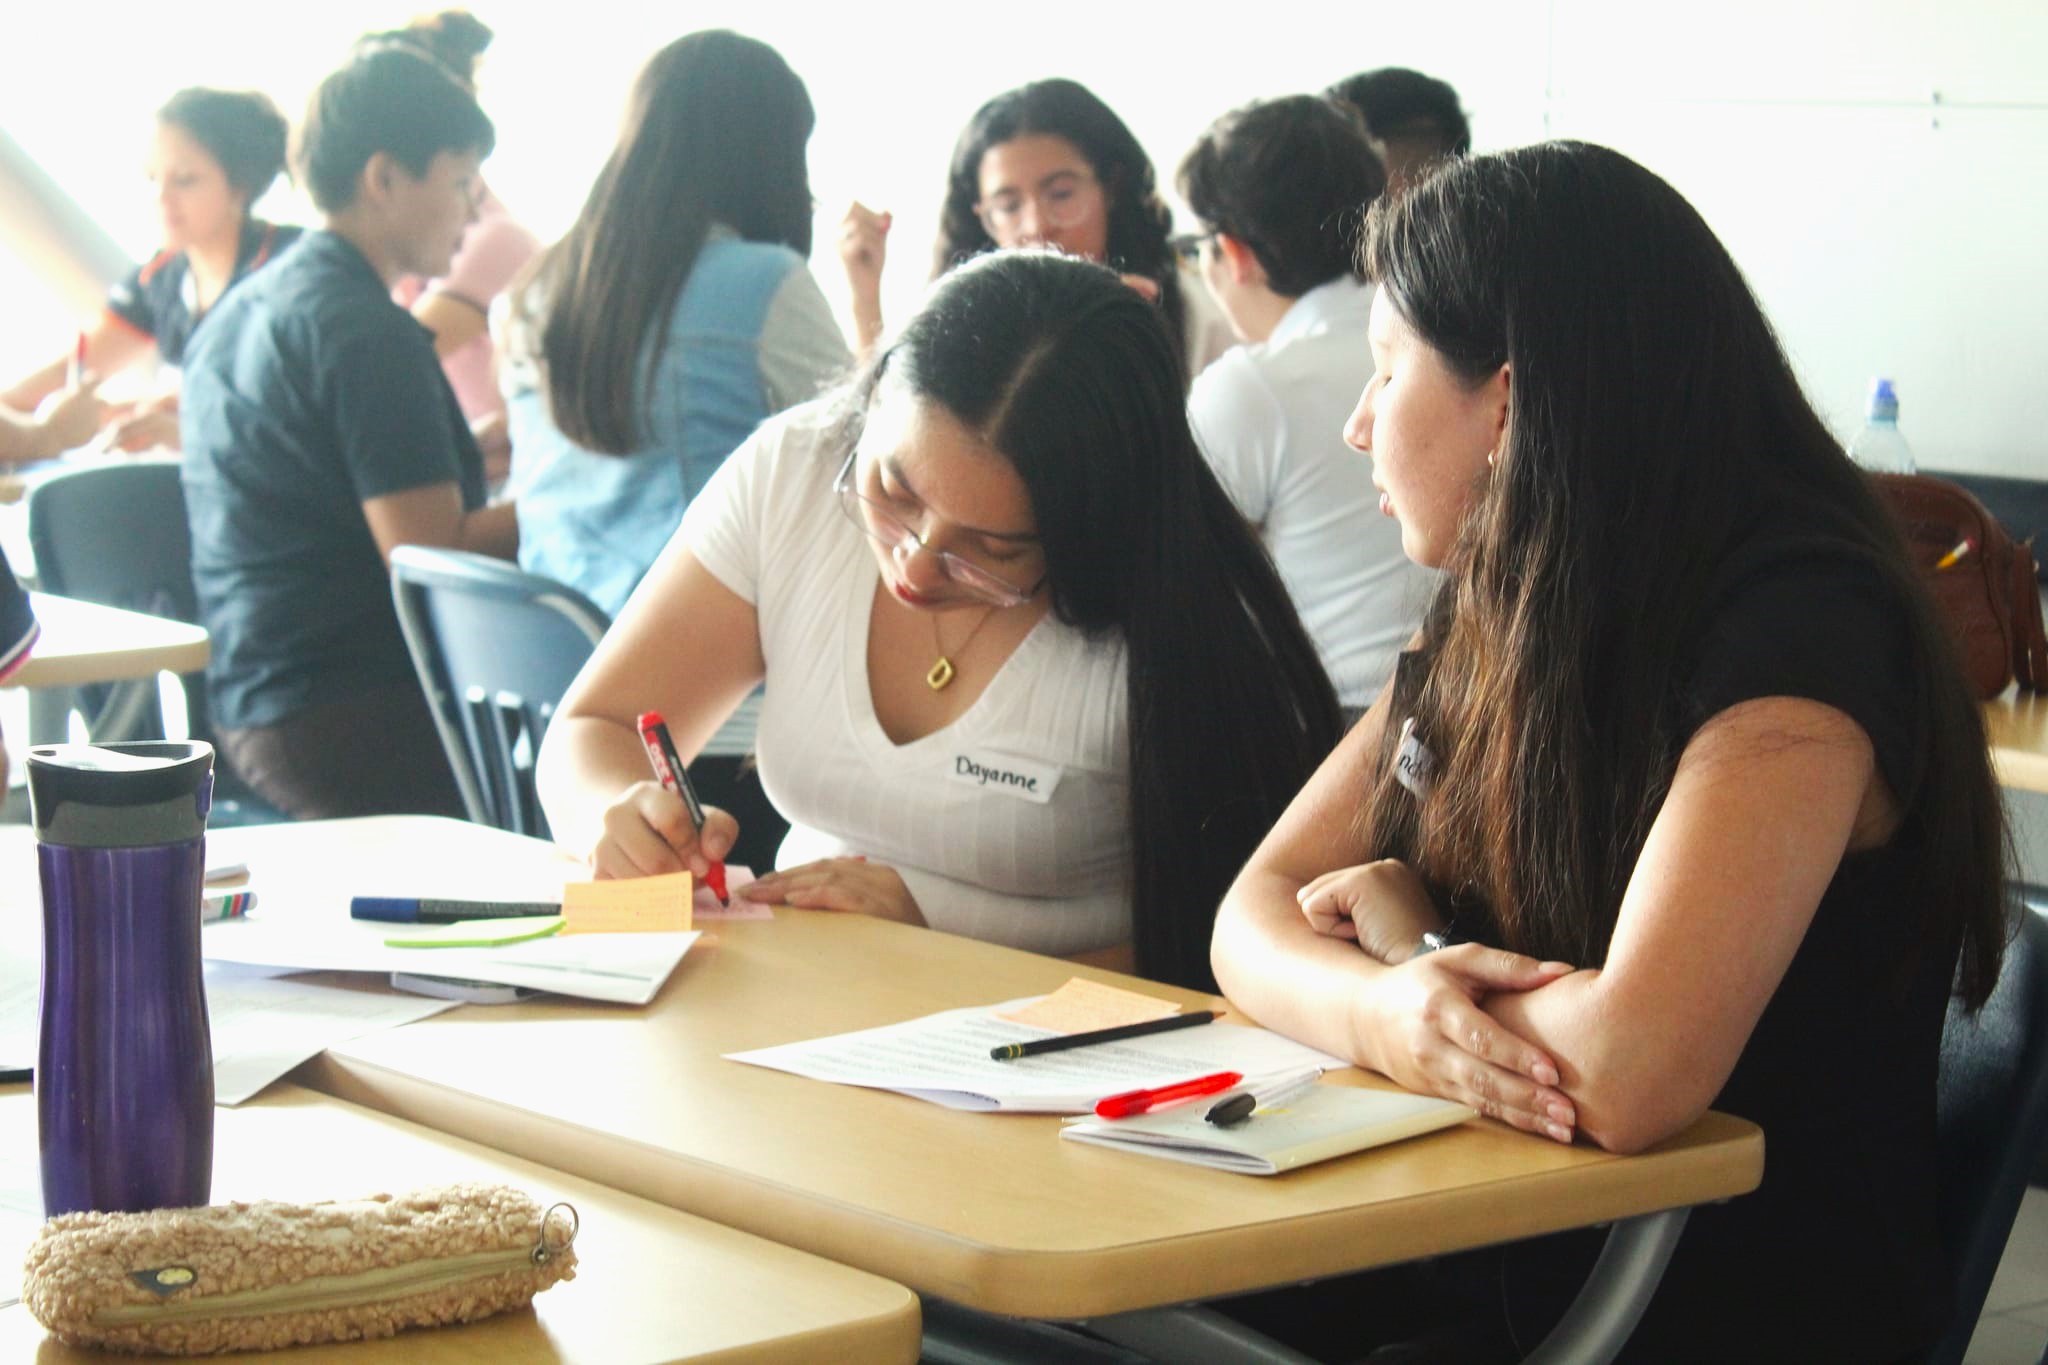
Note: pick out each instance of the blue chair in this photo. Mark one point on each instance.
(495, 648)
(115, 534)
(1993, 1119)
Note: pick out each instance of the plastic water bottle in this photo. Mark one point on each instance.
(1879, 447)
(124, 1070)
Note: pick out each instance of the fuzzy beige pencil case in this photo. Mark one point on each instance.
(246, 1277)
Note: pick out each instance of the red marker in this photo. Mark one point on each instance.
(1135, 1102)
(670, 772)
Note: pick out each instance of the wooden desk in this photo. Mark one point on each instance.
(83, 643)
(2017, 726)
(652, 1285)
(993, 1212)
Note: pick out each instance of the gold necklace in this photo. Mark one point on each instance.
(941, 674)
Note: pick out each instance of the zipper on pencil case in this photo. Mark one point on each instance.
(326, 1292)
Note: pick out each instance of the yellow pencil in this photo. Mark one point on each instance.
(1955, 556)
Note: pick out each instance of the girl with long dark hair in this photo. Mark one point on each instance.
(1682, 766)
(1048, 164)
(673, 317)
(1030, 677)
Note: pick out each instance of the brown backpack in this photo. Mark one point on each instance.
(1983, 581)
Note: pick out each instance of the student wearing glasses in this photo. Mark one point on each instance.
(1047, 164)
(1029, 676)
(1281, 190)
(1683, 767)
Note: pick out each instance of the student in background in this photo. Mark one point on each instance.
(1047, 164)
(1684, 752)
(1411, 120)
(320, 433)
(995, 594)
(1281, 189)
(675, 315)
(214, 154)
(456, 307)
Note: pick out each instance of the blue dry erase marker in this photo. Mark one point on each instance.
(420, 910)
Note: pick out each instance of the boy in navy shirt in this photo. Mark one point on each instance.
(320, 434)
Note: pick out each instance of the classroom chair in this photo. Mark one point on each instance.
(115, 534)
(1992, 1098)
(495, 648)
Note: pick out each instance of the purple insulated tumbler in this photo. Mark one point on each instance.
(124, 1072)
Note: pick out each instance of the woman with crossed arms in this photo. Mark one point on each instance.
(1029, 676)
(1682, 766)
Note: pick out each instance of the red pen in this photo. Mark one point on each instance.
(670, 772)
(1134, 1102)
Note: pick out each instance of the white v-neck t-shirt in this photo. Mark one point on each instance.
(1009, 825)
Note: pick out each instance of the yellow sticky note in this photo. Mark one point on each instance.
(632, 905)
(1081, 1005)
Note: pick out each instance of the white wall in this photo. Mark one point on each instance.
(1880, 169)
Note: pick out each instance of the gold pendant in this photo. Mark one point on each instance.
(941, 674)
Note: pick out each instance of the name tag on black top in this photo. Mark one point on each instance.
(1414, 764)
(1007, 775)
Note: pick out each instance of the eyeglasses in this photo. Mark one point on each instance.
(1063, 201)
(1188, 245)
(886, 529)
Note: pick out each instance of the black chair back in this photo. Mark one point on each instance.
(1993, 1119)
(495, 648)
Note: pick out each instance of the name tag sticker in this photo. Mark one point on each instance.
(1008, 775)
(1414, 764)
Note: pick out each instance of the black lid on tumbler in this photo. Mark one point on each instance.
(120, 795)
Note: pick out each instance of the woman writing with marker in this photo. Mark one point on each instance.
(1682, 768)
(1029, 676)
(1047, 164)
(214, 154)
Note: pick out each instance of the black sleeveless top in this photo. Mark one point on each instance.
(1837, 1256)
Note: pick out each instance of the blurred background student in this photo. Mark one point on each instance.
(214, 153)
(1047, 164)
(456, 307)
(675, 314)
(1411, 120)
(1280, 189)
(319, 435)
(993, 591)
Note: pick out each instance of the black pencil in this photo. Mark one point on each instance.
(1011, 1051)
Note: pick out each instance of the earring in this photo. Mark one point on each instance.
(1491, 455)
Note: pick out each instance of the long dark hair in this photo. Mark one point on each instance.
(1652, 422)
(714, 133)
(1071, 377)
(1139, 221)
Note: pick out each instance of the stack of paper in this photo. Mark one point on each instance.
(1321, 1122)
(944, 1058)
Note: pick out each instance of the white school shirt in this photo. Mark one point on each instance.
(1011, 824)
(1270, 418)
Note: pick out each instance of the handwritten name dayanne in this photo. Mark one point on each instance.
(1002, 777)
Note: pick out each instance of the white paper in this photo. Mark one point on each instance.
(944, 1058)
(262, 1025)
(626, 968)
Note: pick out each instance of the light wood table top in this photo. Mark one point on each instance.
(83, 642)
(2017, 726)
(991, 1211)
(652, 1284)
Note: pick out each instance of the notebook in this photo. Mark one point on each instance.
(1314, 1125)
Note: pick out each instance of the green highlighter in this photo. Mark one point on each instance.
(480, 933)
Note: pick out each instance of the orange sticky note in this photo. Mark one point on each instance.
(1081, 1005)
(633, 905)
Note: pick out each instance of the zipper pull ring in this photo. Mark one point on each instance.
(543, 1251)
